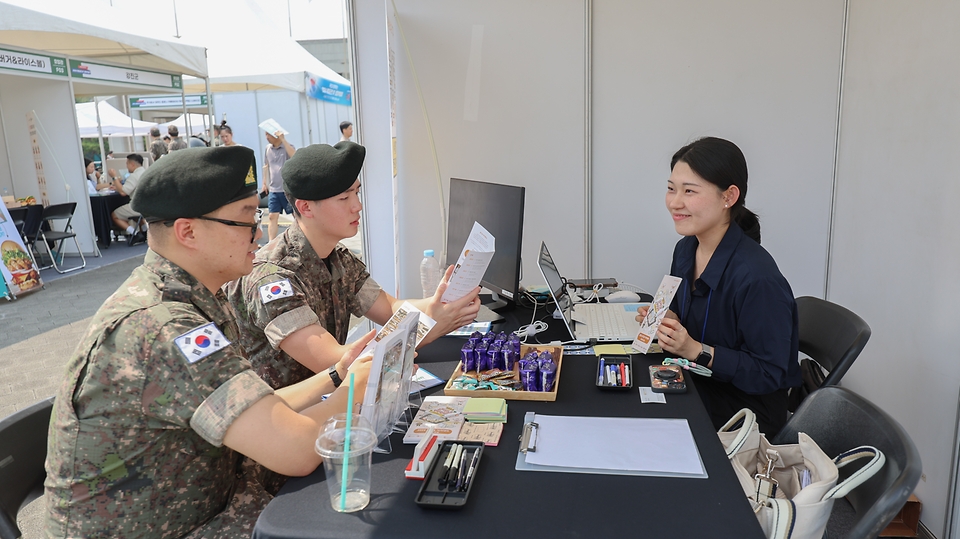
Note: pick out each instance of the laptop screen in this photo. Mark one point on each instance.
(552, 275)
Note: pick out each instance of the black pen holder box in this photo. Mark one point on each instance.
(440, 489)
(614, 372)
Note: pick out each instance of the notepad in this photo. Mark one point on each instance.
(485, 410)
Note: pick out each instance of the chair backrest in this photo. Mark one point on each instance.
(839, 419)
(831, 335)
(59, 211)
(32, 222)
(23, 449)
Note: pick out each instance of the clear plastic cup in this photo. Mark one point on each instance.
(330, 446)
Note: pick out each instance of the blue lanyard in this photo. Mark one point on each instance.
(706, 314)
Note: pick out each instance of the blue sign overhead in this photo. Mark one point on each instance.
(327, 90)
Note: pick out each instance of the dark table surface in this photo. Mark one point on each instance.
(510, 503)
(101, 206)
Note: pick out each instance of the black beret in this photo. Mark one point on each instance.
(321, 171)
(195, 181)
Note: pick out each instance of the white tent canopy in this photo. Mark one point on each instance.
(113, 122)
(198, 124)
(257, 56)
(77, 31)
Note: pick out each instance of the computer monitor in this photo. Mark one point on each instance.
(499, 209)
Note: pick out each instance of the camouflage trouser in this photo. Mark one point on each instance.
(247, 502)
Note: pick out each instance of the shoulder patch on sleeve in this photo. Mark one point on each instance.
(199, 343)
(276, 290)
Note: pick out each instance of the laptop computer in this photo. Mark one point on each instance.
(605, 322)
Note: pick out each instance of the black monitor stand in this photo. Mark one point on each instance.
(487, 313)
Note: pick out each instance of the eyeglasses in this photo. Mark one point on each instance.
(254, 226)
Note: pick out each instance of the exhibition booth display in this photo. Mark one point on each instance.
(47, 61)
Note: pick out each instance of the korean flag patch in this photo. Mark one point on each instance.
(275, 290)
(199, 343)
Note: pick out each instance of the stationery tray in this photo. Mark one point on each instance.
(549, 396)
(606, 382)
(434, 496)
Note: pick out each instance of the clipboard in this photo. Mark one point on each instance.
(532, 439)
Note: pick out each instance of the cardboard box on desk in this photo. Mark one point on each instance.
(548, 396)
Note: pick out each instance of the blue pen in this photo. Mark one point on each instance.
(602, 372)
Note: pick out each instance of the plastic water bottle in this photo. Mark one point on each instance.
(429, 274)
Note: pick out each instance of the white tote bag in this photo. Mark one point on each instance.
(805, 478)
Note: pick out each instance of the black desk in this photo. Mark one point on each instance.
(101, 206)
(510, 503)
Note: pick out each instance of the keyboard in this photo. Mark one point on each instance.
(601, 321)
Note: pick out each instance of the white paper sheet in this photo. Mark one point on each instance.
(271, 126)
(656, 446)
(471, 265)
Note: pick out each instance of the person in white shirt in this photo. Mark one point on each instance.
(346, 131)
(124, 216)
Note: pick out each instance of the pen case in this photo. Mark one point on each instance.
(609, 374)
(436, 492)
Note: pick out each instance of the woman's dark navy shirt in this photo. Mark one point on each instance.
(752, 321)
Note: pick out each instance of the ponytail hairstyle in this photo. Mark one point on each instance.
(721, 163)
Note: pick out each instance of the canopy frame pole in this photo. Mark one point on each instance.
(103, 154)
(211, 118)
(133, 131)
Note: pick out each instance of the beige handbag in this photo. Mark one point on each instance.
(791, 487)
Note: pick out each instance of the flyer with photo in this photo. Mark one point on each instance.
(658, 309)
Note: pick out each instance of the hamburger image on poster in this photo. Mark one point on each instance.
(20, 265)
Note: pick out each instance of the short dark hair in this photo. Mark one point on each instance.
(135, 157)
(173, 131)
(292, 200)
(154, 131)
(344, 126)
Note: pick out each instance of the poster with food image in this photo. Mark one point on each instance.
(18, 270)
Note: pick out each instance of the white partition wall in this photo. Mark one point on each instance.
(762, 74)
(503, 84)
(59, 148)
(895, 246)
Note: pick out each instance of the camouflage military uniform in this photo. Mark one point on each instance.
(136, 436)
(290, 288)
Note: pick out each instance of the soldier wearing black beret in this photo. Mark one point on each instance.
(294, 307)
(159, 402)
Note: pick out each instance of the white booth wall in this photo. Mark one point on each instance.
(245, 111)
(51, 98)
(766, 75)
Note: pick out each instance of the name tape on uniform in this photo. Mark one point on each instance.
(276, 290)
(199, 343)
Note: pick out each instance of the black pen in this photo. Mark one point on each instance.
(462, 468)
(472, 470)
(446, 464)
(454, 470)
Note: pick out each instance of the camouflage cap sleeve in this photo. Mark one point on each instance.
(226, 403)
(189, 359)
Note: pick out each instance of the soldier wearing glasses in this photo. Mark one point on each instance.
(159, 404)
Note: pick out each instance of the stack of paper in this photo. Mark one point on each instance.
(482, 410)
(443, 414)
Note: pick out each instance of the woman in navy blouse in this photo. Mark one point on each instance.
(734, 312)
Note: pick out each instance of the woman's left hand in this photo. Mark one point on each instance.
(674, 338)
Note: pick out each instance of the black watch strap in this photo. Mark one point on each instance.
(335, 376)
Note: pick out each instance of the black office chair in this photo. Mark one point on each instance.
(56, 212)
(23, 448)
(838, 419)
(833, 337)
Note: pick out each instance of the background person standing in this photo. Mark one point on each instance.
(274, 157)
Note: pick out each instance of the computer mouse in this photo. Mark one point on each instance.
(623, 296)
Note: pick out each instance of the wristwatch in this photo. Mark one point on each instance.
(335, 376)
(705, 355)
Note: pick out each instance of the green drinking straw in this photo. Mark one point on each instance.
(346, 448)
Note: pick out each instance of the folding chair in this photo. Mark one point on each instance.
(23, 448)
(56, 212)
